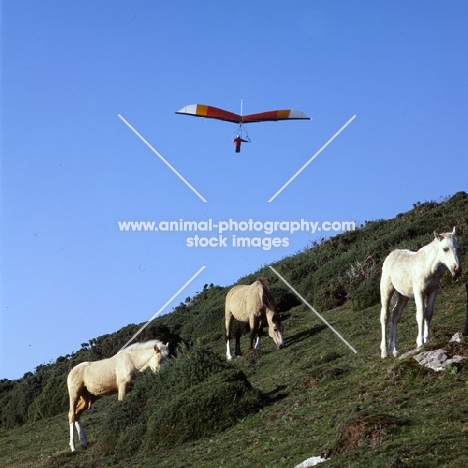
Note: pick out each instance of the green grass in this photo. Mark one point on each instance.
(318, 397)
(322, 399)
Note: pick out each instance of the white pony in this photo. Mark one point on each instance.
(415, 274)
(89, 381)
(252, 305)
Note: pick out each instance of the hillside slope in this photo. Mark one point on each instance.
(318, 396)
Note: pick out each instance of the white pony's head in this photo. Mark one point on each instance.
(448, 252)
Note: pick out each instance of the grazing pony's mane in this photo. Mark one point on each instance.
(267, 297)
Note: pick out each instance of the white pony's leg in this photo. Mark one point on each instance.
(81, 434)
(386, 293)
(428, 310)
(419, 300)
(383, 325)
(257, 343)
(396, 316)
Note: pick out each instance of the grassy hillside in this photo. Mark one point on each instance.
(273, 408)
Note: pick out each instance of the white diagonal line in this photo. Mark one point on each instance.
(160, 157)
(312, 158)
(162, 308)
(311, 308)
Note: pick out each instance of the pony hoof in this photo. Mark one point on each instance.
(84, 447)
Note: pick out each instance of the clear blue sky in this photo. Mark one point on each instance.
(71, 169)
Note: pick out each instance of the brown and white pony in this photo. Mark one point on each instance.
(252, 305)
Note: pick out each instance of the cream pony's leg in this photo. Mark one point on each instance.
(228, 325)
(82, 435)
(228, 350)
(72, 442)
(74, 399)
(257, 343)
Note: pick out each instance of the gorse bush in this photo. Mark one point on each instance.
(53, 398)
(192, 396)
(206, 408)
(15, 404)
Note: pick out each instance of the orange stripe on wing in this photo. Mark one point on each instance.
(283, 114)
(202, 110)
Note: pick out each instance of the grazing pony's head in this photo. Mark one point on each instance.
(275, 330)
(447, 246)
(275, 327)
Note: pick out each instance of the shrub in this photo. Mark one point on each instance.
(54, 396)
(285, 299)
(366, 295)
(192, 396)
(206, 408)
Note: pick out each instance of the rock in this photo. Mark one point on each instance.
(312, 461)
(437, 360)
(432, 359)
(457, 337)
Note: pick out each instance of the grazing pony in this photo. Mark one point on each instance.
(252, 305)
(89, 381)
(415, 274)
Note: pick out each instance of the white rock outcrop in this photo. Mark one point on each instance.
(437, 360)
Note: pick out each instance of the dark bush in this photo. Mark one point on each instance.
(284, 298)
(366, 295)
(206, 408)
(192, 396)
(54, 396)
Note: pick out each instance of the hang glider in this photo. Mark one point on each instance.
(210, 112)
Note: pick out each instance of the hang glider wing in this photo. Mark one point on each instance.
(210, 112)
(274, 116)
